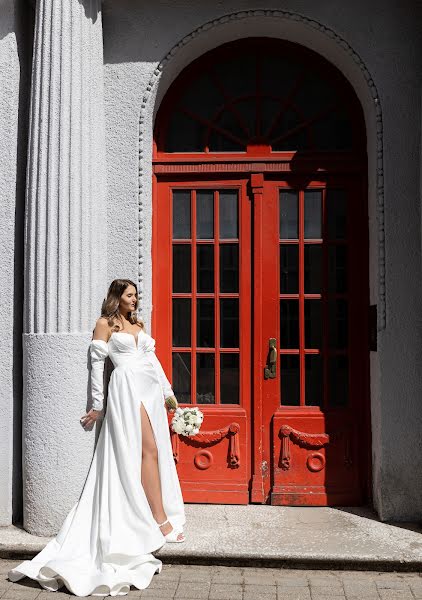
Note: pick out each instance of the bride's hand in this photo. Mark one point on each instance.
(88, 420)
(171, 403)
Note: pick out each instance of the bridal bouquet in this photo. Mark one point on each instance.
(187, 421)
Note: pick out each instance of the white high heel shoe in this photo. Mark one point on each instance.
(173, 535)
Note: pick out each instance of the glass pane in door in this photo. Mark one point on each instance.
(314, 304)
(289, 268)
(288, 208)
(229, 378)
(181, 365)
(290, 379)
(205, 378)
(206, 302)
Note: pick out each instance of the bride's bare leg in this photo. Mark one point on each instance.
(150, 476)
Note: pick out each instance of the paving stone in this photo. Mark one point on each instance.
(320, 573)
(324, 596)
(262, 595)
(354, 587)
(363, 597)
(326, 586)
(256, 579)
(166, 591)
(291, 581)
(45, 595)
(323, 579)
(191, 582)
(221, 591)
(28, 583)
(358, 575)
(300, 593)
(358, 590)
(152, 593)
(415, 584)
(269, 571)
(149, 597)
(196, 576)
(328, 590)
(21, 594)
(390, 583)
(385, 594)
(259, 591)
(163, 584)
(255, 570)
(193, 591)
(235, 578)
(168, 574)
(222, 570)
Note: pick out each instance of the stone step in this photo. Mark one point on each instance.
(274, 536)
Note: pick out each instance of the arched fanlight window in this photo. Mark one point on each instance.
(260, 92)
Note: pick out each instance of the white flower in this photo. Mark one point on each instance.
(178, 427)
(187, 421)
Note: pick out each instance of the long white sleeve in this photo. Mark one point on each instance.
(99, 352)
(165, 384)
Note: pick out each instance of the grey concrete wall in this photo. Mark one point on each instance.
(9, 93)
(16, 23)
(15, 44)
(380, 39)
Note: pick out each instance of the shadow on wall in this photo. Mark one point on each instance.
(24, 18)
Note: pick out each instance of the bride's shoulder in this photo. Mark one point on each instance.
(102, 329)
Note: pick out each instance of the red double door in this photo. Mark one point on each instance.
(260, 312)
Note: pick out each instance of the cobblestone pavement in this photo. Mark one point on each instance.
(245, 583)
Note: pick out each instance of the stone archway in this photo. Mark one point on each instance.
(312, 34)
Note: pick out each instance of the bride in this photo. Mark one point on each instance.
(131, 503)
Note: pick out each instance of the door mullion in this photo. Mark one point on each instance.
(301, 297)
(324, 301)
(260, 481)
(194, 334)
(217, 311)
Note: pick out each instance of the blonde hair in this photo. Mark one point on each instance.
(110, 306)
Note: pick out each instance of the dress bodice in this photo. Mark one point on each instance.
(123, 347)
(125, 351)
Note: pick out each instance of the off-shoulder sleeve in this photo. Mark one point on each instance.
(98, 352)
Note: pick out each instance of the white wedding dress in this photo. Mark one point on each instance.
(105, 542)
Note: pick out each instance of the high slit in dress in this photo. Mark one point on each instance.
(105, 542)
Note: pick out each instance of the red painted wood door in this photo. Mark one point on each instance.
(311, 304)
(243, 265)
(202, 323)
(260, 275)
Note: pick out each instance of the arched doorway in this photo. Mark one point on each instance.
(260, 274)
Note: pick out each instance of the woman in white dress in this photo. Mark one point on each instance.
(131, 503)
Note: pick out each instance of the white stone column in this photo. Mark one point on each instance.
(65, 254)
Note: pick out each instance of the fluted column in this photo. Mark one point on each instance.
(65, 253)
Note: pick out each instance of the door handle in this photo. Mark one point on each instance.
(270, 368)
